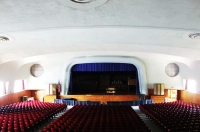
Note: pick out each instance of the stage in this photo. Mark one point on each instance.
(103, 98)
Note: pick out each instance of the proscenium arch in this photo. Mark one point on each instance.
(142, 79)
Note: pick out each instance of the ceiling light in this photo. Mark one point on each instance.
(3, 38)
(82, 1)
(82, 4)
(194, 36)
(6, 39)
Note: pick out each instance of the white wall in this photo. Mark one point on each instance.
(8, 73)
(55, 70)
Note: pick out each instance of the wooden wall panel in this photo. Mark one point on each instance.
(150, 91)
(38, 94)
(187, 96)
(158, 98)
(13, 97)
(182, 95)
(102, 98)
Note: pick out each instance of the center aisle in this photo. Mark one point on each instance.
(153, 127)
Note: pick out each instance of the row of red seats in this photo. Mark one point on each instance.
(174, 116)
(26, 106)
(103, 118)
(25, 116)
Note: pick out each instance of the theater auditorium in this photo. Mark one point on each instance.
(99, 66)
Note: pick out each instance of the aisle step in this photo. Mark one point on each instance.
(153, 127)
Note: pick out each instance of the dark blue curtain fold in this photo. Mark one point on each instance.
(103, 67)
(137, 85)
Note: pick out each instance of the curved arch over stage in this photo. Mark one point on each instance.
(142, 79)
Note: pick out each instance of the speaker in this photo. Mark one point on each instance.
(52, 89)
(159, 89)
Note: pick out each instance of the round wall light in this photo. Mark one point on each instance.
(36, 70)
(172, 69)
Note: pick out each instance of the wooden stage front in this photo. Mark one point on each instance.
(102, 98)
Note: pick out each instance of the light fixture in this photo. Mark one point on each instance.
(172, 69)
(82, 1)
(3, 38)
(81, 4)
(36, 70)
(6, 38)
(194, 36)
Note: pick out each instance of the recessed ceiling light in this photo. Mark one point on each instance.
(3, 38)
(82, 1)
(6, 38)
(81, 4)
(194, 36)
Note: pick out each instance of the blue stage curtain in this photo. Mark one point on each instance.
(103, 67)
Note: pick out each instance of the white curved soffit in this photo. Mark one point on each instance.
(111, 59)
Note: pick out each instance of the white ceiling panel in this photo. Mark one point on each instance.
(46, 27)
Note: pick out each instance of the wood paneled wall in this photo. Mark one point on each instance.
(13, 97)
(38, 94)
(158, 98)
(187, 96)
(102, 98)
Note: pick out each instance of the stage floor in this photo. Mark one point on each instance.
(103, 97)
(104, 93)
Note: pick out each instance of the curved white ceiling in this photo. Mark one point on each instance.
(47, 27)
